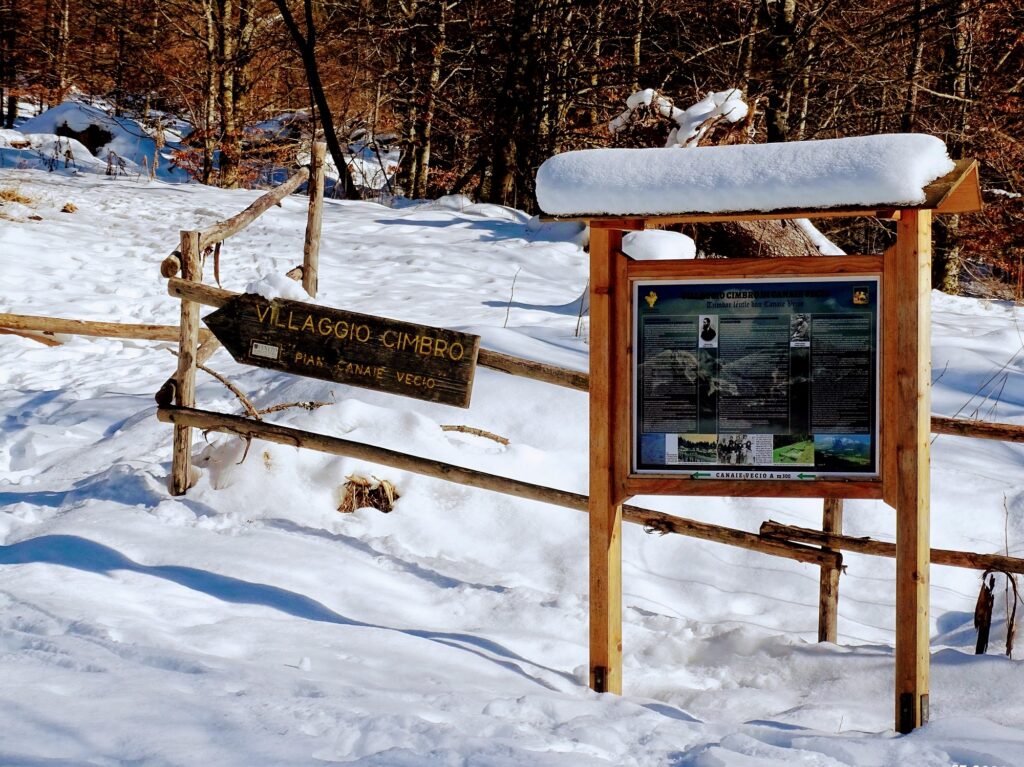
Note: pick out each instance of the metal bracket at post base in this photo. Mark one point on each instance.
(599, 679)
(907, 721)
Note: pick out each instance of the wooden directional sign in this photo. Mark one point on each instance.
(418, 361)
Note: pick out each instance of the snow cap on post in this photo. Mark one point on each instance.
(886, 170)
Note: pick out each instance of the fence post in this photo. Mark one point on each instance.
(911, 282)
(828, 591)
(183, 476)
(605, 498)
(311, 248)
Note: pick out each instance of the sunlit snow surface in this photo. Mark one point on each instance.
(249, 623)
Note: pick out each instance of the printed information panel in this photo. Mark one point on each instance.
(760, 378)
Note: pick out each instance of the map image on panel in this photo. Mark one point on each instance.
(768, 378)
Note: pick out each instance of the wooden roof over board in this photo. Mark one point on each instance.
(959, 191)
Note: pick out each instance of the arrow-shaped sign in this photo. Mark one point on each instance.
(699, 474)
(806, 476)
(418, 361)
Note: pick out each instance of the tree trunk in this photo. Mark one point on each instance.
(226, 94)
(779, 18)
(8, 68)
(595, 81)
(909, 116)
(638, 36)
(306, 45)
(210, 95)
(946, 263)
(61, 58)
(426, 122)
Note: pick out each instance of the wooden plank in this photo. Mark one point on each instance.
(717, 268)
(314, 219)
(889, 404)
(913, 373)
(605, 509)
(871, 547)
(620, 224)
(224, 229)
(958, 191)
(433, 364)
(828, 586)
(143, 332)
(656, 484)
(183, 476)
(622, 404)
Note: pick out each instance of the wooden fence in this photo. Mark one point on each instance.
(176, 400)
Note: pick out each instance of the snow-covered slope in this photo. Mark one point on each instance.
(249, 623)
(123, 146)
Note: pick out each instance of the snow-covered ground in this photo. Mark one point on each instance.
(250, 623)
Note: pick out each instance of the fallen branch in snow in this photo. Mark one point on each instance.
(308, 405)
(246, 402)
(477, 432)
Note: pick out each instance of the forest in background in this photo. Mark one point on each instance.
(478, 94)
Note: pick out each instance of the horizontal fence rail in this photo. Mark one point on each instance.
(780, 532)
(575, 379)
(654, 521)
(50, 325)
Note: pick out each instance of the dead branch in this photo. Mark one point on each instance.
(477, 432)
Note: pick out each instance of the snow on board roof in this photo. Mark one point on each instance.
(885, 170)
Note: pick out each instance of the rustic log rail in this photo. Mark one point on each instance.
(780, 532)
(579, 380)
(188, 260)
(229, 226)
(656, 521)
(51, 325)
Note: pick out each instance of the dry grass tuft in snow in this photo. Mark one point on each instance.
(13, 194)
(361, 493)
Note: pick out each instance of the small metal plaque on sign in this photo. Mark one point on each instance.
(265, 351)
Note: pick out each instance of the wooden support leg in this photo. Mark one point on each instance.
(314, 220)
(605, 498)
(828, 592)
(912, 283)
(183, 476)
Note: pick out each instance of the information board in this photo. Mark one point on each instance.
(758, 378)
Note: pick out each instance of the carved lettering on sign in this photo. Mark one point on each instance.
(418, 361)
